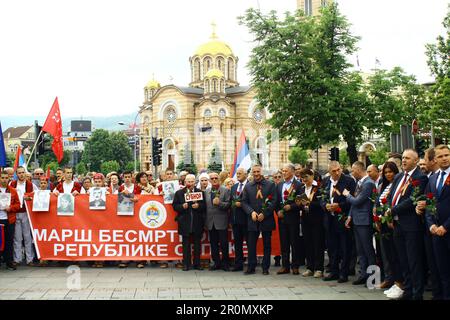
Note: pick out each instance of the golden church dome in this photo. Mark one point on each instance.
(214, 73)
(214, 47)
(153, 84)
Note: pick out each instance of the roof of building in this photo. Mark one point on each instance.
(15, 132)
(153, 84)
(237, 89)
(191, 90)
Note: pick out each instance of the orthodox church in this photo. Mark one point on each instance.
(208, 114)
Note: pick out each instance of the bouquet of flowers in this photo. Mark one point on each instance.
(375, 195)
(266, 203)
(418, 196)
(236, 198)
(381, 210)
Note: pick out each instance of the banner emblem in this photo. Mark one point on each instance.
(152, 214)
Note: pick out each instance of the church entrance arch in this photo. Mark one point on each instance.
(170, 158)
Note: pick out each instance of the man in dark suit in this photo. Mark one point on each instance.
(339, 238)
(408, 225)
(217, 199)
(361, 217)
(439, 222)
(289, 220)
(190, 218)
(238, 219)
(258, 201)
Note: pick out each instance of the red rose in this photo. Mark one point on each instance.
(374, 190)
(430, 196)
(376, 218)
(384, 200)
(338, 210)
(269, 197)
(238, 193)
(286, 192)
(415, 183)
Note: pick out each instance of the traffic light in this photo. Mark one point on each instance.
(156, 151)
(420, 147)
(334, 154)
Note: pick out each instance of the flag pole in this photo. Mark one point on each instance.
(34, 147)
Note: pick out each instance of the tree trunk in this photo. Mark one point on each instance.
(351, 152)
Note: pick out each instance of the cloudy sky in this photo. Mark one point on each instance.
(97, 55)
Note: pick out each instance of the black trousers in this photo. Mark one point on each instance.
(239, 234)
(431, 267)
(314, 235)
(441, 246)
(9, 241)
(340, 250)
(391, 264)
(289, 239)
(186, 239)
(364, 248)
(216, 238)
(410, 249)
(251, 243)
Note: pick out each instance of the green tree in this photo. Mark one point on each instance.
(438, 60)
(187, 163)
(396, 98)
(109, 166)
(379, 156)
(298, 155)
(53, 165)
(120, 150)
(81, 168)
(130, 166)
(215, 161)
(97, 149)
(301, 74)
(343, 158)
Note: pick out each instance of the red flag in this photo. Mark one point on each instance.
(18, 155)
(48, 172)
(53, 125)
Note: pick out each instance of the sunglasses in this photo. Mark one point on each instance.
(38, 174)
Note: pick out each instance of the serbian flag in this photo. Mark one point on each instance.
(241, 156)
(53, 125)
(2, 149)
(2, 237)
(20, 160)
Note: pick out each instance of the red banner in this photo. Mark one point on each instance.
(151, 233)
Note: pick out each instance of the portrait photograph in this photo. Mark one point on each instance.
(41, 200)
(97, 198)
(5, 200)
(66, 203)
(125, 205)
(169, 189)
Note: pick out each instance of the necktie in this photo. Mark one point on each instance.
(399, 191)
(440, 183)
(240, 188)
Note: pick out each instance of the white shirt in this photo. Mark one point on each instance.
(67, 187)
(3, 213)
(21, 189)
(447, 172)
(333, 184)
(286, 186)
(241, 187)
(308, 190)
(130, 189)
(410, 173)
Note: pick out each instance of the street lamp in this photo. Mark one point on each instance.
(134, 136)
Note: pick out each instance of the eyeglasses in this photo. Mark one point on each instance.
(214, 178)
(277, 177)
(39, 174)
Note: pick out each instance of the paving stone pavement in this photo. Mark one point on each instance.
(152, 282)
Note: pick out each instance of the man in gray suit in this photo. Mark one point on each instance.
(361, 216)
(218, 202)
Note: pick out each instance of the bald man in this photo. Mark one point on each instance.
(408, 226)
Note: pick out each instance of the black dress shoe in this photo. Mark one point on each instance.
(226, 268)
(342, 280)
(214, 267)
(11, 266)
(197, 267)
(185, 268)
(237, 269)
(330, 277)
(250, 271)
(359, 281)
(265, 272)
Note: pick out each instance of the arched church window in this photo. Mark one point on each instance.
(222, 113)
(207, 113)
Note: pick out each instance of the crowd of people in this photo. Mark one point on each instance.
(392, 218)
